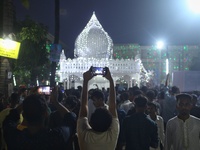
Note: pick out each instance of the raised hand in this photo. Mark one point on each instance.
(87, 75)
(108, 74)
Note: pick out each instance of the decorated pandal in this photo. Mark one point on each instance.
(94, 47)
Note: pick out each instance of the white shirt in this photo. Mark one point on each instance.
(126, 105)
(91, 140)
(161, 135)
(182, 135)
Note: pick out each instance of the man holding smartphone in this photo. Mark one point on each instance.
(103, 130)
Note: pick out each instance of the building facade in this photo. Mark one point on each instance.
(181, 57)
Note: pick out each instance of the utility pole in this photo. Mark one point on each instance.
(56, 40)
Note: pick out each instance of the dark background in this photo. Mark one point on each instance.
(126, 21)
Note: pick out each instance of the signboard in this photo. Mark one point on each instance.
(9, 48)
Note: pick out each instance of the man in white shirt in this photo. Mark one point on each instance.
(183, 131)
(127, 104)
(102, 131)
(152, 114)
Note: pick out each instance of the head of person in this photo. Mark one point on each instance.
(151, 108)
(140, 103)
(175, 90)
(184, 103)
(98, 98)
(135, 94)
(23, 92)
(80, 88)
(14, 99)
(132, 92)
(124, 96)
(101, 120)
(35, 110)
(71, 102)
(90, 93)
(76, 93)
(150, 95)
(144, 89)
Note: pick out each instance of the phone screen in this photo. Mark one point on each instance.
(46, 90)
(98, 71)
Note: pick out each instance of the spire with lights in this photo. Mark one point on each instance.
(93, 41)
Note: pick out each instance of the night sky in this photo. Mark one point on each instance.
(126, 21)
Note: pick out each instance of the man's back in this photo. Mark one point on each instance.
(51, 139)
(97, 140)
(102, 131)
(140, 132)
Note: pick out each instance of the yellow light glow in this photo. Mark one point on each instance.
(9, 48)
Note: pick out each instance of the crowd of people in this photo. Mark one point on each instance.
(137, 118)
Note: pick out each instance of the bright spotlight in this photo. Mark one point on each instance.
(194, 5)
(160, 45)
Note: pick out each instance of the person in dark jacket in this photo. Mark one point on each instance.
(140, 132)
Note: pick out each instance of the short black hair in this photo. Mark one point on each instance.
(140, 101)
(22, 90)
(144, 89)
(152, 104)
(101, 120)
(98, 94)
(34, 108)
(71, 101)
(150, 94)
(175, 90)
(137, 92)
(14, 98)
(184, 95)
(125, 95)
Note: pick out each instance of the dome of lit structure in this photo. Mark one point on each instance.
(93, 41)
(94, 47)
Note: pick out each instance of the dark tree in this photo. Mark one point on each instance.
(33, 61)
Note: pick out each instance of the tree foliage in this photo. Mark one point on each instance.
(33, 59)
(25, 3)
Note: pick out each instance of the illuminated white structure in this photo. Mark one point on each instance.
(93, 41)
(94, 47)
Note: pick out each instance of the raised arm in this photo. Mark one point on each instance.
(167, 80)
(54, 100)
(84, 96)
(112, 94)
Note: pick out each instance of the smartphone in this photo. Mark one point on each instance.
(98, 71)
(46, 90)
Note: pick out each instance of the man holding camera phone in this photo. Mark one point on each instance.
(103, 130)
